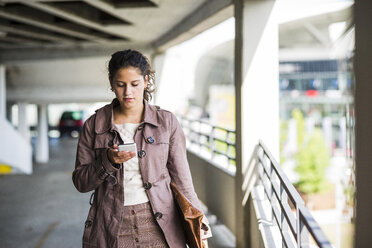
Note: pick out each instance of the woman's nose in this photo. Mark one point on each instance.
(127, 90)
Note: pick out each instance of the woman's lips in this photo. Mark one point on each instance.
(128, 99)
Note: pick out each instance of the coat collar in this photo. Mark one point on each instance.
(105, 116)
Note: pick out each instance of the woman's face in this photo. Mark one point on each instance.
(128, 85)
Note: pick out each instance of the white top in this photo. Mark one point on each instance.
(134, 192)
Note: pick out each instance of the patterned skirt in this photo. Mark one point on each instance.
(139, 228)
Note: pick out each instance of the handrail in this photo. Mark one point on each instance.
(280, 192)
(294, 220)
(207, 137)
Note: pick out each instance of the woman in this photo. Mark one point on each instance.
(132, 204)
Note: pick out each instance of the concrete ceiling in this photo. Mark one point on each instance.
(32, 29)
(314, 30)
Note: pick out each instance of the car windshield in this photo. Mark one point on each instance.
(75, 115)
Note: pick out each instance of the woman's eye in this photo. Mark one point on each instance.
(120, 84)
(134, 85)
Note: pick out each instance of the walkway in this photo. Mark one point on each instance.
(45, 210)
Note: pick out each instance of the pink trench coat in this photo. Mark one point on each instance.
(162, 159)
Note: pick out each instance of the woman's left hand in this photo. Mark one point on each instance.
(117, 157)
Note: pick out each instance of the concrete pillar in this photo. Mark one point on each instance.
(9, 112)
(257, 95)
(342, 134)
(157, 63)
(23, 126)
(2, 92)
(327, 132)
(42, 146)
(363, 122)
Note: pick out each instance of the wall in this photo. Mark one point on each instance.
(14, 149)
(215, 188)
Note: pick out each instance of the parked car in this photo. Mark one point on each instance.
(71, 123)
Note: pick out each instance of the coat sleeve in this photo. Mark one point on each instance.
(178, 165)
(90, 171)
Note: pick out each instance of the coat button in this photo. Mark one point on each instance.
(150, 140)
(88, 223)
(147, 185)
(141, 153)
(112, 180)
(158, 215)
(110, 143)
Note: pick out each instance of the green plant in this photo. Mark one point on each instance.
(312, 161)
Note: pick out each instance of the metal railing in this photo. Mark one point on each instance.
(296, 224)
(216, 140)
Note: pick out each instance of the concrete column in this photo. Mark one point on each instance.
(157, 63)
(342, 134)
(257, 96)
(9, 112)
(42, 146)
(2, 92)
(327, 132)
(23, 126)
(363, 122)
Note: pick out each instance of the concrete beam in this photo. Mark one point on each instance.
(21, 41)
(317, 34)
(208, 15)
(64, 51)
(51, 27)
(16, 1)
(72, 17)
(66, 94)
(35, 35)
(15, 46)
(106, 7)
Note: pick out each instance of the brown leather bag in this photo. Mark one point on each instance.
(192, 219)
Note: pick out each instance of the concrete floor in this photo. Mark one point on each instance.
(45, 210)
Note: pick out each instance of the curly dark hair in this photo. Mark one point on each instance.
(129, 57)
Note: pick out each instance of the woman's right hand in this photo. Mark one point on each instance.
(117, 157)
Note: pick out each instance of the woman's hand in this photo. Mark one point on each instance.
(117, 157)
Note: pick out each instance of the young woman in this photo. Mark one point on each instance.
(132, 204)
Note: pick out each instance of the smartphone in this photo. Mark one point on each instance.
(129, 147)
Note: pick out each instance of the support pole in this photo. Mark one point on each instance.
(363, 122)
(2, 92)
(42, 146)
(257, 97)
(23, 126)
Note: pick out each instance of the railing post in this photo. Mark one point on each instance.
(283, 221)
(303, 234)
(272, 193)
(228, 146)
(199, 135)
(298, 227)
(211, 142)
